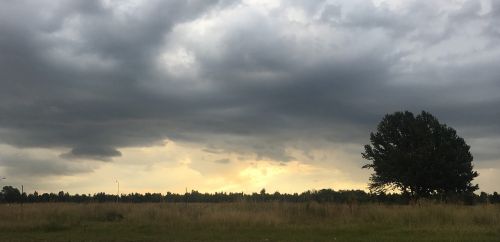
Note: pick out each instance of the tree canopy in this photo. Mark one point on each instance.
(418, 156)
(11, 194)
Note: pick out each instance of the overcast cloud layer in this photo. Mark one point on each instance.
(86, 79)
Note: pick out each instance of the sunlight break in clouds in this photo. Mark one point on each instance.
(214, 95)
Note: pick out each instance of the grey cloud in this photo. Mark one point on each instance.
(92, 152)
(48, 100)
(85, 77)
(17, 167)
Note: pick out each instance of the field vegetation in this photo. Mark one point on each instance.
(248, 221)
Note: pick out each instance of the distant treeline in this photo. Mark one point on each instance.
(13, 195)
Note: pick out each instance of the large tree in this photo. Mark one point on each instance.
(418, 156)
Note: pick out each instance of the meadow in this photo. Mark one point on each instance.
(248, 221)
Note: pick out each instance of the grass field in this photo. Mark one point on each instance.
(248, 222)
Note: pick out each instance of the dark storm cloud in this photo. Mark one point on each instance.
(92, 152)
(89, 76)
(25, 166)
(69, 73)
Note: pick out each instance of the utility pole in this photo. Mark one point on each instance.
(22, 199)
(118, 190)
(186, 197)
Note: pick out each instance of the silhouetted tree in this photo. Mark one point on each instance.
(483, 197)
(494, 198)
(11, 194)
(321, 196)
(419, 156)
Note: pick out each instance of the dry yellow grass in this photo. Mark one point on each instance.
(248, 222)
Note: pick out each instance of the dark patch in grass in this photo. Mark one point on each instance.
(54, 226)
(112, 216)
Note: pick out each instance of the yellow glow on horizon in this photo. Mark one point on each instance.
(175, 167)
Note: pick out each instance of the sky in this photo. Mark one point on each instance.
(235, 96)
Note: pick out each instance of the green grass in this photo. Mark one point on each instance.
(248, 222)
